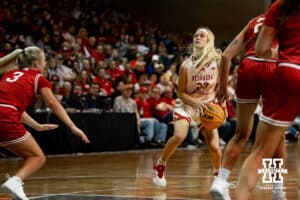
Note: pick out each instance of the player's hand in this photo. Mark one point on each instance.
(222, 95)
(201, 106)
(80, 134)
(46, 127)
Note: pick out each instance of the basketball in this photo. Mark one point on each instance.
(212, 117)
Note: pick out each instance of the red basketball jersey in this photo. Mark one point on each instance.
(19, 87)
(253, 29)
(288, 34)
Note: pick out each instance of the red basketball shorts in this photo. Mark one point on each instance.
(283, 104)
(12, 129)
(254, 78)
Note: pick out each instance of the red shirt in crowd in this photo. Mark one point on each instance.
(104, 84)
(115, 73)
(144, 108)
(157, 113)
(170, 101)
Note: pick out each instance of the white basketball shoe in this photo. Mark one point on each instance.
(14, 187)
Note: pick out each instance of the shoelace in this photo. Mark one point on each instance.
(7, 176)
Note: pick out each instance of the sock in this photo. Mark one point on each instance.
(216, 172)
(161, 162)
(224, 173)
(277, 186)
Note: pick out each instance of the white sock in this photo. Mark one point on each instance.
(224, 174)
(161, 162)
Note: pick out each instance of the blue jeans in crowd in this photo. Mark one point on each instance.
(151, 129)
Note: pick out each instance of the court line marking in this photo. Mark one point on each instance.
(84, 176)
(129, 188)
(118, 177)
(130, 151)
(120, 196)
(123, 189)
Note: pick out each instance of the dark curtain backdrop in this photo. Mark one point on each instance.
(225, 17)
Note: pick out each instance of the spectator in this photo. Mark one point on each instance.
(65, 72)
(159, 108)
(105, 85)
(92, 98)
(113, 70)
(77, 99)
(84, 79)
(125, 103)
(52, 70)
(67, 94)
(160, 128)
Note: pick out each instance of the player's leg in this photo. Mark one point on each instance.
(278, 192)
(180, 132)
(212, 141)
(265, 147)
(219, 188)
(244, 126)
(33, 158)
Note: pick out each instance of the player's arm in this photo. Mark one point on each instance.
(60, 112)
(264, 42)
(29, 121)
(233, 49)
(9, 58)
(182, 81)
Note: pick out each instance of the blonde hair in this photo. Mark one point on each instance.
(28, 55)
(206, 54)
(20, 58)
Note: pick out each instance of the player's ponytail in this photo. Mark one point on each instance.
(8, 62)
(28, 55)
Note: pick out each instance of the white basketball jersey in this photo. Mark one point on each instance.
(202, 83)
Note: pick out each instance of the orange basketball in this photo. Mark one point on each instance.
(212, 117)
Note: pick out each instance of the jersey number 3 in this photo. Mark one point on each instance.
(15, 77)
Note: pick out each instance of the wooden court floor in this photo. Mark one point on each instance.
(127, 175)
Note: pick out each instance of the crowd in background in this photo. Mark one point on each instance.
(101, 58)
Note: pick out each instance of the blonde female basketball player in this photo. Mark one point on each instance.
(198, 77)
(18, 89)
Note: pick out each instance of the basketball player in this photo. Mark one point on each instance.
(254, 76)
(283, 23)
(198, 77)
(18, 88)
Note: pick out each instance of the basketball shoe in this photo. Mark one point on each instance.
(278, 195)
(14, 187)
(158, 178)
(219, 189)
